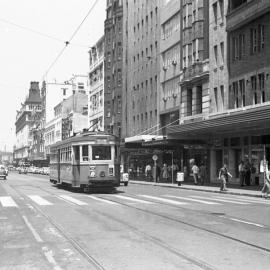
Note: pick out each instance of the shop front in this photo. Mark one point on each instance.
(230, 138)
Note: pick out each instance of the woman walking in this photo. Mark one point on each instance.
(223, 176)
(266, 186)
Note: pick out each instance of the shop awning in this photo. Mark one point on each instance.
(142, 138)
(252, 119)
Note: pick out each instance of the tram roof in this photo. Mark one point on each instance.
(85, 137)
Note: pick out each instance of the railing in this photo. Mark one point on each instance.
(195, 70)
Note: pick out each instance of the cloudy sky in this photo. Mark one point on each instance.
(33, 32)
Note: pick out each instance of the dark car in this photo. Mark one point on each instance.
(3, 172)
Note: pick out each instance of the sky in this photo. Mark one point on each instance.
(25, 55)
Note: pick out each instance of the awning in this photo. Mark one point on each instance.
(253, 119)
(142, 138)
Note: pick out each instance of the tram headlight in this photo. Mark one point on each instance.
(92, 174)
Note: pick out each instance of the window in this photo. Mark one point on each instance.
(101, 152)
(242, 92)
(85, 154)
(222, 52)
(261, 37)
(261, 86)
(221, 6)
(216, 54)
(215, 12)
(253, 40)
(235, 48)
(241, 46)
(216, 97)
(235, 94)
(254, 83)
(222, 95)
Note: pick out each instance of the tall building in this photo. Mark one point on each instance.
(96, 84)
(26, 120)
(113, 67)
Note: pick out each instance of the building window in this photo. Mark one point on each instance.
(242, 92)
(215, 12)
(235, 48)
(199, 99)
(241, 46)
(261, 78)
(222, 96)
(222, 52)
(253, 40)
(216, 54)
(221, 6)
(189, 102)
(216, 97)
(261, 37)
(235, 94)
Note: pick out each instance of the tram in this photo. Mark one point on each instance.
(85, 161)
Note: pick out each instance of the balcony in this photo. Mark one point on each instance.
(246, 13)
(196, 71)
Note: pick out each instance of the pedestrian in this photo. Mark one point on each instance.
(148, 171)
(195, 172)
(202, 173)
(223, 177)
(253, 174)
(266, 185)
(247, 172)
(241, 173)
(157, 173)
(165, 173)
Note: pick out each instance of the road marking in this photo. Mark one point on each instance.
(70, 199)
(132, 199)
(31, 228)
(39, 200)
(193, 200)
(49, 256)
(7, 201)
(221, 200)
(102, 200)
(243, 221)
(250, 200)
(163, 200)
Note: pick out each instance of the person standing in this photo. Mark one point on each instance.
(266, 185)
(253, 174)
(165, 173)
(148, 171)
(195, 172)
(202, 173)
(247, 172)
(224, 176)
(241, 173)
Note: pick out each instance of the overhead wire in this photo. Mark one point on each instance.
(69, 40)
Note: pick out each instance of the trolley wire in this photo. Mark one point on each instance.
(67, 42)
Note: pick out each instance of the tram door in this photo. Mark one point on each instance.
(76, 167)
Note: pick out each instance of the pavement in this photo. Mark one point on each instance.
(234, 189)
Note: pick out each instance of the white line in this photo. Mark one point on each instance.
(250, 200)
(40, 201)
(7, 201)
(220, 200)
(247, 222)
(68, 198)
(102, 200)
(193, 200)
(49, 256)
(31, 228)
(132, 199)
(163, 200)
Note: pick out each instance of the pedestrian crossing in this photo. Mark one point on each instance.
(118, 200)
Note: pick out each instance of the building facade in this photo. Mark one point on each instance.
(96, 84)
(113, 68)
(27, 119)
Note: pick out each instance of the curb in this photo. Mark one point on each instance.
(197, 189)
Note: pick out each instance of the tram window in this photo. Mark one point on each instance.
(85, 155)
(101, 152)
(77, 152)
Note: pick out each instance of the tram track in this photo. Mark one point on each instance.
(151, 238)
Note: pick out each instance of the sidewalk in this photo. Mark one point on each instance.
(252, 191)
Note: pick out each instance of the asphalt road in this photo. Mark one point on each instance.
(137, 227)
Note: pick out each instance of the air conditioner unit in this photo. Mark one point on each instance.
(164, 68)
(174, 62)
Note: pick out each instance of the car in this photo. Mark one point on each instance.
(124, 178)
(46, 171)
(6, 169)
(3, 172)
(23, 170)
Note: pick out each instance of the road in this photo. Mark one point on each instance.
(137, 227)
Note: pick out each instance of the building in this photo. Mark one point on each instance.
(70, 117)
(141, 80)
(24, 123)
(96, 84)
(113, 68)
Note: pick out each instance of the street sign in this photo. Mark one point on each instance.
(155, 157)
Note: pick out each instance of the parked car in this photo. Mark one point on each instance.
(23, 170)
(3, 172)
(6, 170)
(46, 171)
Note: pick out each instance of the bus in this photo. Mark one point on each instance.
(86, 161)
